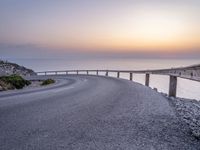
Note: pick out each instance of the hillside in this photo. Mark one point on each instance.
(8, 68)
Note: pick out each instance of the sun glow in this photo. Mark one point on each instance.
(118, 27)
(158, 27)
(141, 30)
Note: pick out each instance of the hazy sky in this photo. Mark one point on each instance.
(48, 28)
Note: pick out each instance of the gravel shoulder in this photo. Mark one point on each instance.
(189, 112)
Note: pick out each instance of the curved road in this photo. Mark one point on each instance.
(82, 112)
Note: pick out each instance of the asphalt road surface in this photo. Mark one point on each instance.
(82, 112)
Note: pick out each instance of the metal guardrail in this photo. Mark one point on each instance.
(191, 73)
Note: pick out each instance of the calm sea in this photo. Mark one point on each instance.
(186, 88)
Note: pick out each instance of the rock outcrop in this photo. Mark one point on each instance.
(7, 68)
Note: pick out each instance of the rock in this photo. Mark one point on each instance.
(7, 68)
(196, 133)
(189, 112)
(155, 89)
(1, 88)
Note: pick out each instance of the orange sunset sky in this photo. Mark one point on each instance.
(163, 26)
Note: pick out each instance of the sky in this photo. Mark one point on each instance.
(128, 28)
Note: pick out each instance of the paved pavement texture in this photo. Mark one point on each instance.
(81, 112)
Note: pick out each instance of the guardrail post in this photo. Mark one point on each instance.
(45, 73)
(56, 72)
(172, 86)
(107, 73)
(118, 74)
(131, 76)
(77, 72)
(147, 79)
(97, 72)
(66, 72)
(87, 72)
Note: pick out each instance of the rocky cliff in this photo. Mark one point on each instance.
(8, 68)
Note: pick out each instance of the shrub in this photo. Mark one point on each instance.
(15, 81)
(48, 81)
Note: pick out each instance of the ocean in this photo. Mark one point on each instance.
(185, 88)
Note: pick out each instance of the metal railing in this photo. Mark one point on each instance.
(191, 73)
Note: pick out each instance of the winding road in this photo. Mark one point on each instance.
(81, 112)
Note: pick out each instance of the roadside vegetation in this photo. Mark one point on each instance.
(13, 82)
(48, 81)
